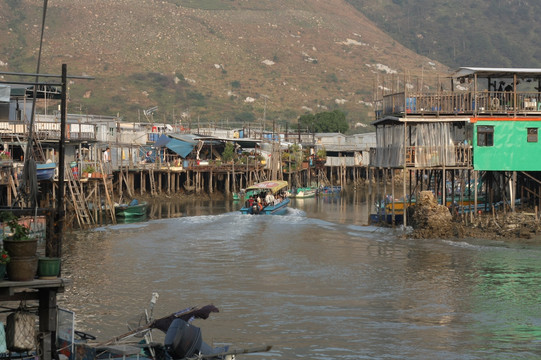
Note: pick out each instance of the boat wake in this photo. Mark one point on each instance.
(372, 232)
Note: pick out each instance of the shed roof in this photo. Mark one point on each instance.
(418, 119)
(333, 134)
(486, 72)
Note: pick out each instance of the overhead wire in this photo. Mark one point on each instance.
(28, 187)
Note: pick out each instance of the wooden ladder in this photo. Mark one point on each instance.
(108, 187)
(153, 190)
(323, 180)
(79, 203)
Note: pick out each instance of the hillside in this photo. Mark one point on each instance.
(209, 60)
(496, 33)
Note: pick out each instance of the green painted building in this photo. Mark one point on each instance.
(506, 144)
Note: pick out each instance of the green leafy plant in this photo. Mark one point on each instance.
(19, 232)
(229, 152)
(5, 155)
(89, 169)
(4, 257)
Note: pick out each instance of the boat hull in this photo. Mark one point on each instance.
(386, 218)
(133, 211)
(45, 171)
(330, 190)
(306, 193)
(277, 209)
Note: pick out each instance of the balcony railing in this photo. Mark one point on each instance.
(49, 131)
(456, 156)
(460, 103)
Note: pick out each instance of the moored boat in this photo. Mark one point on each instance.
(305, 192)
(182, 340)
(134, 209)
(379, 218)
(45, 171)
(268, 198)
(329, 190)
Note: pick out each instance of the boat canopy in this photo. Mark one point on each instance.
(273, 186)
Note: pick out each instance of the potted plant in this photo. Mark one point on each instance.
(5, 155)
(19, 242)
(48, 268)
(4, 261)
(21, 248)
(88, 170)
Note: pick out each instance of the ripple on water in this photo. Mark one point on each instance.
(313, 283)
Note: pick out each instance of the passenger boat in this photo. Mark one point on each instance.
(45, 171)
(277, 189)
(134, 209)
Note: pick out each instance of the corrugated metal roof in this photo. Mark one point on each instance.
(497, 72)
(420, 119)
(333, 134)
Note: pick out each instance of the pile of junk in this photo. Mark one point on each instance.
(183, 340)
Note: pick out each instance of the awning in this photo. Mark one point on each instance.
(273, 186)
(180, 147)
(162, 141)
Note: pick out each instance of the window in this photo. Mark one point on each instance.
(532, 134)
(485, 136)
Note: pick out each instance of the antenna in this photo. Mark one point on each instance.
(149, 112)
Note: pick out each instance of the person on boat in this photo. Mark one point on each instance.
(250, 201)
(258, 206)
(269, 199)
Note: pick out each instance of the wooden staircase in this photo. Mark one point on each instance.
(80, 206)
(108, 187)
(153, 190)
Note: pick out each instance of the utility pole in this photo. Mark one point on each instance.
(264, 112)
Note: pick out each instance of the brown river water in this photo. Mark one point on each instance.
(316, 283)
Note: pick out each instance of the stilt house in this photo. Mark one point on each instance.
(481, 119)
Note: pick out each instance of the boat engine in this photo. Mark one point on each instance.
(183, 340)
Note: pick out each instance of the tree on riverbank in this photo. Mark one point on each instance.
(229, 152)
(326, 122)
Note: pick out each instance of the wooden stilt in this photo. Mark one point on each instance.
(211, 185)
(393, 196)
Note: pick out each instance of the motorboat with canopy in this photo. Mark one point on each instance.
(266, 198)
